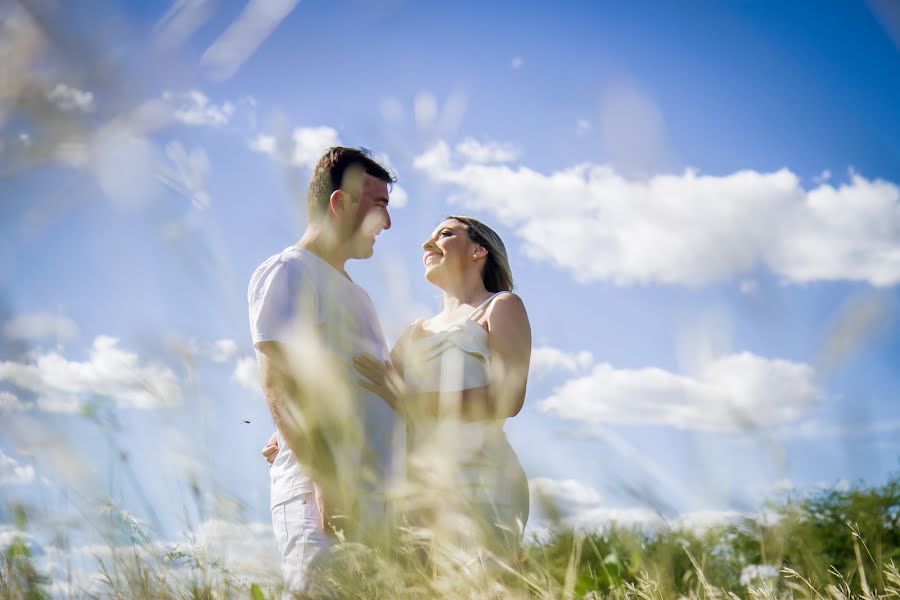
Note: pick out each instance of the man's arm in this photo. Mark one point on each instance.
(306, 426)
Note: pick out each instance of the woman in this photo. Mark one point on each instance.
(456, 377)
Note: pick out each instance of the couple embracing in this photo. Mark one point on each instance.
(370, 442)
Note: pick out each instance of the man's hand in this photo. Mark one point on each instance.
(270, 450)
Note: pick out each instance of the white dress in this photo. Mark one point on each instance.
(467, 478)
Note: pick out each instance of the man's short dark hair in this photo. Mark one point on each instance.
(329, 173)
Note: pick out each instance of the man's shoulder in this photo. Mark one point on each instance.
(285, 266)
(291, 258)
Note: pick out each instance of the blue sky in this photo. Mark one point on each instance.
(701, 205)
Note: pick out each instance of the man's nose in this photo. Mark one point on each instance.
(387, 219)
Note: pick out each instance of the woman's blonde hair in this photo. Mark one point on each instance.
(497, 275)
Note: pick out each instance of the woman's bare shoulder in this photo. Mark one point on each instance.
(506, 308)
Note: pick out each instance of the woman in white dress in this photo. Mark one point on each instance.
(457, 377)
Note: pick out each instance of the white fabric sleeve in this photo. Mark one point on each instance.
(279, 298)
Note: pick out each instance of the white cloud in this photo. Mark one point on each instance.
(63, 385)
(816, 430)
(13, 473)
(303, 148)
(246, 373)
(563, 492)
(242, 551)
(546, 359)
(221, 351)
(36, 326)
(581, 507)
(684, 228)
(70, 98)
(729, 393)
(487, 152)
(245, 548)
(9, 403)
(187, 174)
(191, 350)
(244, 36)
(194, 108)
(266, 144)
(310, 143)
(756, 574)
(399, 197)
(703, 520)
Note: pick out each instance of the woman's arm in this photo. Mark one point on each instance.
(509, 341)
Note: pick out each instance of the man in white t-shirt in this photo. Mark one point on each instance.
(308, 320)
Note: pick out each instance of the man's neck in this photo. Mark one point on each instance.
(317, 240)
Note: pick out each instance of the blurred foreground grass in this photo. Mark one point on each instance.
(830, 544)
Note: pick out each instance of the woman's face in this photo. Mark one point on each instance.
(449, 252)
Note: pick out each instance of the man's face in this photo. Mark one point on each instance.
(368, 216)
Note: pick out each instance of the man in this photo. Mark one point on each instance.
(308, 320)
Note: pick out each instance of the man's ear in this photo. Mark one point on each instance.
(337, 201)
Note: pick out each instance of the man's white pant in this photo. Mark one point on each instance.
(298, 533)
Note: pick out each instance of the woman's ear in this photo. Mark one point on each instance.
(479, 252)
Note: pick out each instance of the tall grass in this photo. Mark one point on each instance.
(829, 545)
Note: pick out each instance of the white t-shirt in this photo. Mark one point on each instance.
(299, 300)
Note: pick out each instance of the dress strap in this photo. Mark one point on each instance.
(486, 303)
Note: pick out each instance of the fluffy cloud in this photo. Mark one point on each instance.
(243, 552)
(817, 430)
(194, 108)
(304, 148)
(566, 492)
(265, 144)
(245, 548)
(546, 359)
(36, 326)
(581, 507)
(686, 228)
(9, 403)
(310, 143)
(69, 98)
(63, 385)
(487, 152)
(13, 473)
(246, 373)
(728, 393)
(221, 351)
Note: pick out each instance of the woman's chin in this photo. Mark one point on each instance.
(431, 276)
